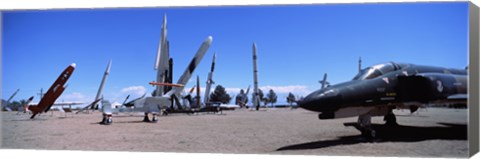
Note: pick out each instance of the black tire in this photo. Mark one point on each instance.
(369, 133)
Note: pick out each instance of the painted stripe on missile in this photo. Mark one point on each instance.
(191, 66)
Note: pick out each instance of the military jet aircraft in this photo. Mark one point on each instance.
(377, 90)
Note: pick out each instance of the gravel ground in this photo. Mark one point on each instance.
(432, 132)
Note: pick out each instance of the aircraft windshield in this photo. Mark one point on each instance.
(375, 71)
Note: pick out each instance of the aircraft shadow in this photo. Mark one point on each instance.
(28, 119)
(391, 134)
(123, 122)
(120, 122)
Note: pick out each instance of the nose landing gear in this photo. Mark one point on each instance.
(154, 118)
(365, 126)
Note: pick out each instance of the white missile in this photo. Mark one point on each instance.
(209, 81)
(100, 88)
(161, 61)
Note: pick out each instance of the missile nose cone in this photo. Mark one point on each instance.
(209, 39)
(73, 65)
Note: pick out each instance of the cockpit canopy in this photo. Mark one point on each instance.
(376, 70)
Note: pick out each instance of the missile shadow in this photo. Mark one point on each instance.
(385, 133)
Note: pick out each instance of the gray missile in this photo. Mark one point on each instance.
(13, 95)
(245, 96)
(9, 99)
(100, 88)
(209, 82)
(256, 100)
(161, 61)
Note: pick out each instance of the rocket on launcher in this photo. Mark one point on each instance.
(209, 81)
(100, 89)
(162, 59)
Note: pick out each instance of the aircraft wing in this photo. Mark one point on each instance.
(68, 103)
(229, 106)
(427, 87)
(88, 106)
(458, 96)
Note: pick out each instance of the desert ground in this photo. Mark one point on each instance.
(431, 132)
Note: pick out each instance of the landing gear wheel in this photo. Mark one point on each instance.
(109, 121)
(364, 123)
(369, 133)
(106, 121)
(164, 112)
(154, 119)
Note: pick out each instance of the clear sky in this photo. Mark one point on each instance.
(296, 44)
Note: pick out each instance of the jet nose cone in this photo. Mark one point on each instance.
(322, 100)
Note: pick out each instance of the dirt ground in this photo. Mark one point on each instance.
(432, 132)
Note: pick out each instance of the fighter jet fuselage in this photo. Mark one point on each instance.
(377, 89)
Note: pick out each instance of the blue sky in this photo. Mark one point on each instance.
(296, 44)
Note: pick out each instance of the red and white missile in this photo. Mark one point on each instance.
(53, 92)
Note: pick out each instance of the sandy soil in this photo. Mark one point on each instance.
(432, 132)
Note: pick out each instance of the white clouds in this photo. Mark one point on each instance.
(134, 90)
(120, 95)
(232, 90)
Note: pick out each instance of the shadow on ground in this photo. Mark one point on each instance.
(391, 134)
